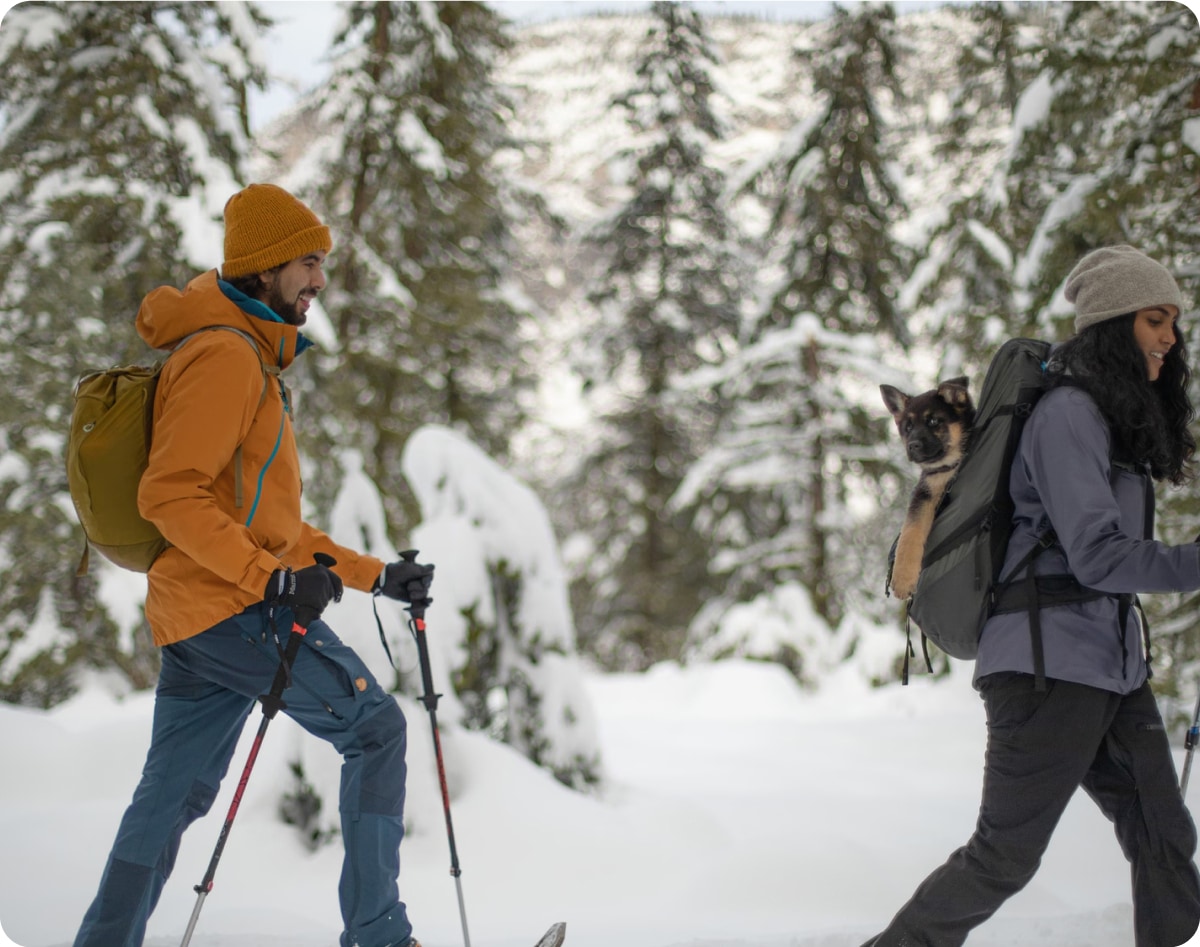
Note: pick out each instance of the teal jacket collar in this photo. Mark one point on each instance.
(251, 306)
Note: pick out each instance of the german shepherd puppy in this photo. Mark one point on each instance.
(935, 427)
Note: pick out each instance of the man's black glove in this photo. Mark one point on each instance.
(405, 580)
(306, 591)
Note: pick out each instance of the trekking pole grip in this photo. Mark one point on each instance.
(303, 617)
(416, 609)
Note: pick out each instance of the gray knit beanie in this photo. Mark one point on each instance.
(1113, 281)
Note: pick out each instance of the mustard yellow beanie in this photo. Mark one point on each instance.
(264, 227)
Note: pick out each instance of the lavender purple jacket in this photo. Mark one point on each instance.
(1062, 477)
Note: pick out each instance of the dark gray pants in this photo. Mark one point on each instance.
(1041, 747)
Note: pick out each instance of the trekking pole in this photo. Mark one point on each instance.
(1189, 744)
(416, 610)
(272, 703)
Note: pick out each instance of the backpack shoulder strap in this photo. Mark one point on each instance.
(266, 369)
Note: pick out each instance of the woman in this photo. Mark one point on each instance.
(1114, 420)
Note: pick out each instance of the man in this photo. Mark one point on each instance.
(223, 486)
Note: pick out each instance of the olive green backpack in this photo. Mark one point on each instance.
(107, 452)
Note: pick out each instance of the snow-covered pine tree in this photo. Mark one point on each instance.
(1099, 154)
(961, 288)
(504, 634)
(122, 127)
(665, 302)
(405, 171)
(1093, 153)
(806, 432)
(994, 66)
(836, 203)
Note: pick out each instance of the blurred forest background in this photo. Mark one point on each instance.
(654, 265)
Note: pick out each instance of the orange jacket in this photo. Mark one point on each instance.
(210, 400)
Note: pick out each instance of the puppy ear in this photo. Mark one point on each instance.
(895, 399)
(954, 391)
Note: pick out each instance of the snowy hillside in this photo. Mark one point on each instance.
(565, 74)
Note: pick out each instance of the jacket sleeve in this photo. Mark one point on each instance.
(208, 394)
(356, 570)
(1067, 458)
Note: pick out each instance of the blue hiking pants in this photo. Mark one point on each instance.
(206, 689)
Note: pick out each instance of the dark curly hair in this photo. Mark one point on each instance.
(1149, 422)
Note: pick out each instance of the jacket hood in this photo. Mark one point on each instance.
(167, 315)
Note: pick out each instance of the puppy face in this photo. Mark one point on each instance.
(934, 425)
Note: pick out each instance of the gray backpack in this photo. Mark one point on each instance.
(969, 538)
(960, 585)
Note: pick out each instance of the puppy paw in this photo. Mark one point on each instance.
(904, 581)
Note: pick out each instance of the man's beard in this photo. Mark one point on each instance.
(288, 312)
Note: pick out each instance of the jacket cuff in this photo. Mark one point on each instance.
(258, 576)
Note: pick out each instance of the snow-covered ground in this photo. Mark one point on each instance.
(738, 810)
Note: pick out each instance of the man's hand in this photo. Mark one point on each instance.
(306, 591)
(405, 580)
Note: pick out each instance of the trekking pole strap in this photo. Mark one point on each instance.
(382, 635)
(273, 702)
